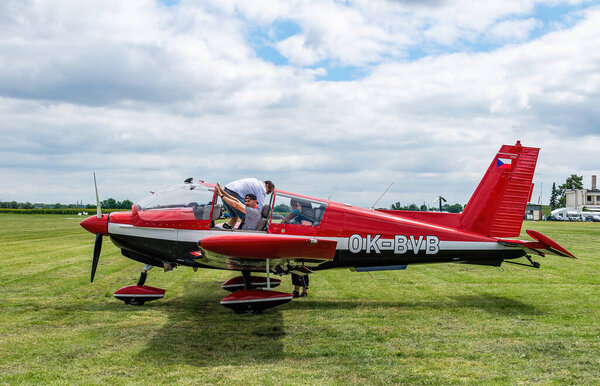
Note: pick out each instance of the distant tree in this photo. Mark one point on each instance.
(573, 182)
(109, 203)
(282, 208)
(423, 208)
(554, 197)
(125, 204)
(455, 208)
(413, 207)
(396, 206)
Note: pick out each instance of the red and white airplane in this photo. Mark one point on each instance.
(176, 227)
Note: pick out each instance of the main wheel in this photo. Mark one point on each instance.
(137, 302)
(133, 301)
(248, 309)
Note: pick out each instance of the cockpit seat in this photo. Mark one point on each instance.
(265, 212)
(318, 214)
(216, 213)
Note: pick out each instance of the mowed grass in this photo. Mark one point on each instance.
(445, 323)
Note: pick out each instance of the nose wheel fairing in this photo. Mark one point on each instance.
(137, 295)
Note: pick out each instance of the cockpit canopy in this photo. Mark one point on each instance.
(194, 197)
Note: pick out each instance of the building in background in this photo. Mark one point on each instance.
(584, 198)
(533, 212)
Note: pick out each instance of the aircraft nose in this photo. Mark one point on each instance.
(95, 225)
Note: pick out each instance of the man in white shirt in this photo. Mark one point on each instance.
(239, 189)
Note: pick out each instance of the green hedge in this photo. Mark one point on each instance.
(90, 212)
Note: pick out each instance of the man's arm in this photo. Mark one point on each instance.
(288, 218)
(231, 201)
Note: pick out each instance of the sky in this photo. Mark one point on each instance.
(324, 98)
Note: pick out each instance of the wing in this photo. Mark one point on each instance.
(265, 246)
(542, 243)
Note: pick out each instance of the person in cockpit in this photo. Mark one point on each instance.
(302, 213)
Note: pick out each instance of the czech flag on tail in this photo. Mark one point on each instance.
(503, 163)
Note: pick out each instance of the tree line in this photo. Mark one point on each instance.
(109, 203)
(454, 208)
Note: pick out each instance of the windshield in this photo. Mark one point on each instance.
(179, 196)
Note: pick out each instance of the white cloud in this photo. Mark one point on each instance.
(509, 30)
(298, 51)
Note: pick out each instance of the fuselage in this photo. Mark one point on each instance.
(364, 237)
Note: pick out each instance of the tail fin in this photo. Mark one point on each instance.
(497, 207)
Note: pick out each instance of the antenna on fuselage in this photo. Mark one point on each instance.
(334, 188)
(384, 192)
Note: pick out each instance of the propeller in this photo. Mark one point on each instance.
(97, 248)
(98, 242)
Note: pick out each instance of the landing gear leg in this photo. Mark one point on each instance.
(144, 274)
(247, 280)
(534, 264)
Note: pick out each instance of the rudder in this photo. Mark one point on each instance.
(498, 205)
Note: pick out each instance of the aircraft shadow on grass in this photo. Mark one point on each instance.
(491, 303)
(200, 332)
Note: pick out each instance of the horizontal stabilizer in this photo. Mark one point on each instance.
(542, 243)
(265, 246)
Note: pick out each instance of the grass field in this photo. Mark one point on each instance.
(445, 323)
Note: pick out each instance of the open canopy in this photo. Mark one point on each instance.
(178, 196)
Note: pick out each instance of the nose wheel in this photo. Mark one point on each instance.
(137, 295)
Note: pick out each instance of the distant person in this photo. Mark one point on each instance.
(300, 281)
(250, 208)
(239, 189)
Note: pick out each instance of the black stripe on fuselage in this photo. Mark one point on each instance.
(345, 258)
